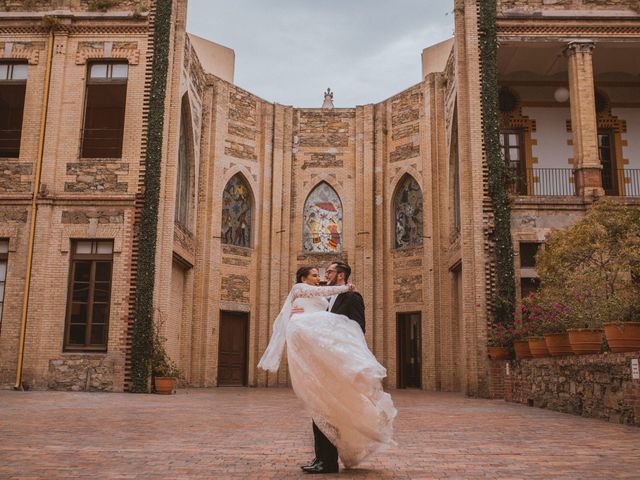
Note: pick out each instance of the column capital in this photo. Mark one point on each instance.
(575, 47)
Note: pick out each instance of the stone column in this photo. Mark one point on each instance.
(587, 167)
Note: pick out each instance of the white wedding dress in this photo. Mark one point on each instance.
(333, 373)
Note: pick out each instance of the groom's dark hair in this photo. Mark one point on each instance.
(342, 267)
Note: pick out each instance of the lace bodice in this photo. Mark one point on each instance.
(314, 299)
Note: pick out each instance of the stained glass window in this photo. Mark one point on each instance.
(323, 220)
(408, 213)
(184, 170)
(236, 212)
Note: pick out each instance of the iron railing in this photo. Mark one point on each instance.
(543, 181)
(621, 182)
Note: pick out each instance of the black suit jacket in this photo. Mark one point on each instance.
(351, 305)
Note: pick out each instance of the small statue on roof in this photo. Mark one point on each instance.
(328, 99)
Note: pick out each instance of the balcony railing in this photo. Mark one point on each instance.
(543, 181)
(560, 182)
(621, 182)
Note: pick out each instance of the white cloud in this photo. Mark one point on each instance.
(290, 51)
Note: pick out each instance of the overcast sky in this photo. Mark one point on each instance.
(290, 51)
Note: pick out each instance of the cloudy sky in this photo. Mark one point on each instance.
(290, 51)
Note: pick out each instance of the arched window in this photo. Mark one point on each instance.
(407, 213)
(236, 212)
(322, 231)
(183, 187)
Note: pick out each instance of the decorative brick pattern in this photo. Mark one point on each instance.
(95, 50)
(79, 217)
(323, 160)
(240, 150)
(404, 152)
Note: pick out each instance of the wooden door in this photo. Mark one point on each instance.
(232, 356)
(409, 350)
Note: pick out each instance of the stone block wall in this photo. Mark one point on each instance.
(538, 5)
(595, 386)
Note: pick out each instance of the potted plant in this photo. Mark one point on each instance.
(530, 311)
(588, 267)
(623, 333)
(498, 341)
(164, 371)
(520, 332)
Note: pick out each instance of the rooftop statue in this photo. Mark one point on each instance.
(328, 99)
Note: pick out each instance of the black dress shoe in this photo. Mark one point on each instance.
(321, 467)
(310, 464)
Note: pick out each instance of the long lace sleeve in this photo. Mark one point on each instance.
(302, 290)
(271, 358)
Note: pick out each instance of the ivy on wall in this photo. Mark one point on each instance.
(142, 342)
(505, 294)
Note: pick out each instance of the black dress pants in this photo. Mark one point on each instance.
(325, 450)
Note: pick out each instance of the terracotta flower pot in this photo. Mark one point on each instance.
(623, 337)
(538, 347)
(165, 385)
(585, 341)
(522, 349)
(558, 344)
(498, 353)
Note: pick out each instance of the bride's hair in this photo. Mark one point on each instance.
(302, 273)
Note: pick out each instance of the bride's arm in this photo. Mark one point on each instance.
(302, 290)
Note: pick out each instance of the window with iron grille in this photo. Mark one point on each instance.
(89, 299)
(105, 101)
(13, 84)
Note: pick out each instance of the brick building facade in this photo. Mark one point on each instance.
(220, 281)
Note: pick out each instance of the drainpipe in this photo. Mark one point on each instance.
(34, 211)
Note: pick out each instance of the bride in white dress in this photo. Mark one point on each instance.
(332, 371)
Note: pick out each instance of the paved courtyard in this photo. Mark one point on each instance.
(265, 433)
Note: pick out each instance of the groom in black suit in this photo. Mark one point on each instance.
(351, 305)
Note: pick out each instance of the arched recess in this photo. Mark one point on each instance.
(322, 228)
(408, 213)
(185, 178)
(237, 212)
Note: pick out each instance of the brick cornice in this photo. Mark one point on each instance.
(564, 27)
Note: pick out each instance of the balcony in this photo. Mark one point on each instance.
(560, 182)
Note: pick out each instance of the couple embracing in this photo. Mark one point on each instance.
(332, 370)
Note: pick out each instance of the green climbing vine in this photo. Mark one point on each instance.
(143, 332)
(505, 294)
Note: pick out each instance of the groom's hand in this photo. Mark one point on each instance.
(297, 310)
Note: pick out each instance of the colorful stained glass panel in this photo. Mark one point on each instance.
(323, 221)
(236, 213)
(408, 214)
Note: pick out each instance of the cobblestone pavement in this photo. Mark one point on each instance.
(265, 433)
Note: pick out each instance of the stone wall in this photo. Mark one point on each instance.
(97, 175)
(595, 386)
(75, 5)
(15, 176)
(79, 373)
(536, 5)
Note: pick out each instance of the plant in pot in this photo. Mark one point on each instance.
(499, 340)
(589, 267)
(623, 332)
(532, 315)
(164, 371)
(520, 332)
